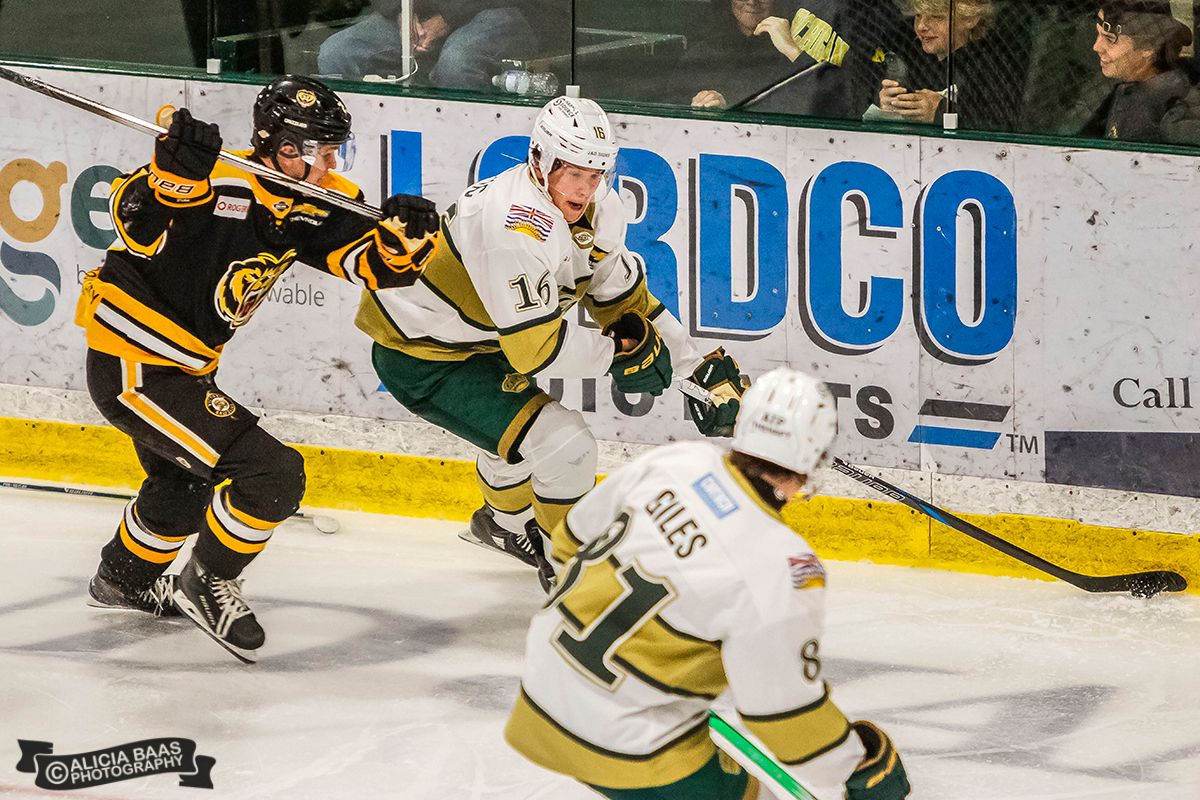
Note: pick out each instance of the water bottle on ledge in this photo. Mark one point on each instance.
(524, 82)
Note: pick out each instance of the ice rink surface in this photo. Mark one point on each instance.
(393, 651)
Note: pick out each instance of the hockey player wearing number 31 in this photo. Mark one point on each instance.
(199, 245)
(681, 582)
(520, 250)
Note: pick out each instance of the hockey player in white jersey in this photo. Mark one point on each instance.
(489, 312)
(678, 581)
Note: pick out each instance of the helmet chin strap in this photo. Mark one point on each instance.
(307, 166)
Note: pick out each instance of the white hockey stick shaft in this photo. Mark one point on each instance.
(130, 121)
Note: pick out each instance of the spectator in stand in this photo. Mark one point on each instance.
(755, 44)
(1139, 44)
(988, 78)
(457, 45)
(731, 62)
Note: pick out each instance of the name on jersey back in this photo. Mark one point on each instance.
(676, 524)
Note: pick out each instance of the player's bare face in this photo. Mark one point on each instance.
(292, 165)
(571, 189)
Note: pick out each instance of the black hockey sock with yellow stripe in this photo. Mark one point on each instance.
(136, 555)
(231, 538)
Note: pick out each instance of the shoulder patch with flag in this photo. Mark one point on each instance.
(806, 571)
(529, 221)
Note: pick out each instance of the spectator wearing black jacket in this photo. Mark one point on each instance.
(988, 80)
(1139, 44)
(754, 45)
(457, 45)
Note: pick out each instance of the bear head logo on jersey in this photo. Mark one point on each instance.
(245, 285)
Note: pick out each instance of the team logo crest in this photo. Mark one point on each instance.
(306, 98)
(245, 285)
(807, 572)
(515, 383)
(219, 405)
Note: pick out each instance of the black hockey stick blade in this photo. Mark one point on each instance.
(1139, 584)
(137, 124)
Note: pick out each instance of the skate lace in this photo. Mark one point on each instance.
(159, 593)
(522, 542)
(228, 594)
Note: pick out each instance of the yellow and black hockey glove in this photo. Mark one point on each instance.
(184, 156)
(880, 775)
(644, 366)
(722, 377)
(407, 232)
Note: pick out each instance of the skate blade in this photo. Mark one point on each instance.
(470, 538)
(191, 612)
(100, 605)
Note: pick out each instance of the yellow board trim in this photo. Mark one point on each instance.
(839, 528)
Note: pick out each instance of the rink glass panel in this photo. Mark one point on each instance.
(1027, 68)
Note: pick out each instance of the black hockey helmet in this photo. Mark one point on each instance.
(301, 112)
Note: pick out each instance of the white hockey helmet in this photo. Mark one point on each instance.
(788, 418)
(576, 131)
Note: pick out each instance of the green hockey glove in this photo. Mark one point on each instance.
(720, 374)
(880, 775)
(644, 366)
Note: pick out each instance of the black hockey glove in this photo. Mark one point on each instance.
(721, 375)
(410, 215)
(644, 367)
(880, 775)
(406, 231)
(187, 150)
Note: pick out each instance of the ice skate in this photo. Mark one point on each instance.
(525, 546)
(216, 606)
(154, 599)
(486, 532)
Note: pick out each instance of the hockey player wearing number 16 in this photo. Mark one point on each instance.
(681, 583)
(520, 250)
(199, 245)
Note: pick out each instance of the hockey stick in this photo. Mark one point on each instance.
(130, 121)
(767, 91)
(1139, 584)
(319, 521)
(758, 763)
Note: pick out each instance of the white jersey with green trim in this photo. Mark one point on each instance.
(509, 270)
(677, 583)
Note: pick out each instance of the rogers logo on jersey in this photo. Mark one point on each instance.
(231, 207)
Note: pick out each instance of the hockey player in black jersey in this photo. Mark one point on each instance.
(199, 245)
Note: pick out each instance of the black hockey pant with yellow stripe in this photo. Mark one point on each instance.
(210, 470)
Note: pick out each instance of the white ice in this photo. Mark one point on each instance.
(393, 652)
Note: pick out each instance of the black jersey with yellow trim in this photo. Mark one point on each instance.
(184, 274)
